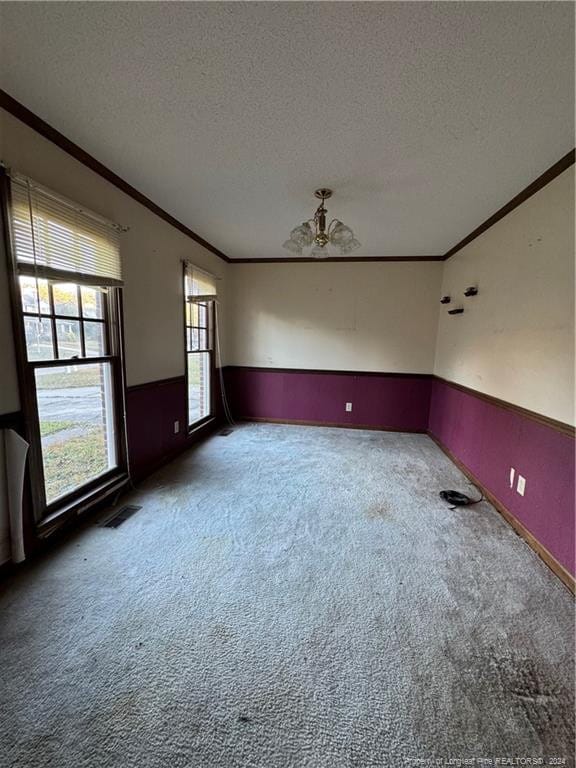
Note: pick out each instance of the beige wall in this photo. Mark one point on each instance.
(151, 252)
(378, 316)
(515, 339)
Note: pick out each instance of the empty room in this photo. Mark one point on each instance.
(287, 384)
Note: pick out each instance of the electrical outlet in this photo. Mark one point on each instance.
(176, 427)
(521, 487)
(512, 473)
(348, 407)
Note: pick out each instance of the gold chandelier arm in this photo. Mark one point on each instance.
(330, 225)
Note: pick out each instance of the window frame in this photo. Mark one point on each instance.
(52, 316)
(50, 515)
(210, 350)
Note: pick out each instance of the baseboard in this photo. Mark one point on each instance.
(547, 557)
(336, 424)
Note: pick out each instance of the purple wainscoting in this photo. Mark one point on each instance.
(489, 439)
(151, 410)
(381, 401)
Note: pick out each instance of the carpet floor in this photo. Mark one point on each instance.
(290, 596)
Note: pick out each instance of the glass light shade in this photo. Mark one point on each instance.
(293, 247)
(316, 237)
(341, 234)
(303, 235)
(319, 252)
(349, 246)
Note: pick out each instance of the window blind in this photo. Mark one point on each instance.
(53, 237)
(200, 285)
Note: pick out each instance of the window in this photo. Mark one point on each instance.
(199, 297)
(66, 267)
(75, 402)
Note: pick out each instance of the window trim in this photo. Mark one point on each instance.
(112, 302)
(211, 333)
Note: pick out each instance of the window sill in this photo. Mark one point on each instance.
(199, 425)
(53, 521)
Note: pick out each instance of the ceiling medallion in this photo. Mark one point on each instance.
(315, 233)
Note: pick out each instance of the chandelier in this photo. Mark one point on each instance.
(314, 232)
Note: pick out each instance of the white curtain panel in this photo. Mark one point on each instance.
(13, 452)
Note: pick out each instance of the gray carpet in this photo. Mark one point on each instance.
(289, 596)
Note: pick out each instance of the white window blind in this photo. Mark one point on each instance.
(53, 237)
(200, 285)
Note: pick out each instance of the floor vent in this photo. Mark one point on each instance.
(225, 432)
(121, 516)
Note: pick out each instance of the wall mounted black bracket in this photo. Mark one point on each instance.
(455, 311)
(472, 291)
(445, 300)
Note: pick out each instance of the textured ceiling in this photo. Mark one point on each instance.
(423, 117)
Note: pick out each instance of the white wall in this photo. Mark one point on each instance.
(370, 316)
(151, 252)
(515, 339)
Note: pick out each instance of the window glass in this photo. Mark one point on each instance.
(69, 340)
(198, 386)
(193, 338)
(39, 342)
(92, 305)
(94, 339)
(66, 299)
(32, 289)
(76, 415)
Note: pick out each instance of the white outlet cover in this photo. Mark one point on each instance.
(521, 487)
(176, 427)
(512, 473)
(348, 407)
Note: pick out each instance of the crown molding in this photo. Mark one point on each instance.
(39, 125)
(310, 260)
(545, 178)
(25, 115)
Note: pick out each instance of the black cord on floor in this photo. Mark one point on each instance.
(458, 499)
